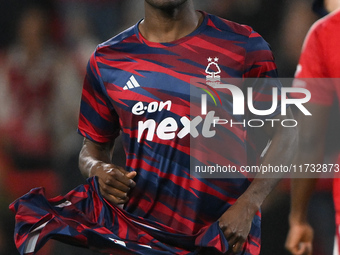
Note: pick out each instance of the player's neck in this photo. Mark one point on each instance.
(169, 25)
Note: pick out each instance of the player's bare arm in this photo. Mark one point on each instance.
(300, 236)
(115, 182)
(312, 131)
(236, 221)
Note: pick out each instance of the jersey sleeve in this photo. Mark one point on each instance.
(98, 120)
(312, 69)
(311, 60)
(260, 73)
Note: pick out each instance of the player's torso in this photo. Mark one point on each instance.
(150, 85)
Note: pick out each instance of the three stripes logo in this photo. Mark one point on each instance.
(132, 83)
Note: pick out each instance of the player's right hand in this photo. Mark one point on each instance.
(300, 239)
(115, 182)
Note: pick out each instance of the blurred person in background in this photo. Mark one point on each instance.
(27, 83)
(320, 58)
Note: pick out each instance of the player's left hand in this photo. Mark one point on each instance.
(236, 223)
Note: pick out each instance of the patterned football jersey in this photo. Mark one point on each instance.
(144, 89)
(83, 218)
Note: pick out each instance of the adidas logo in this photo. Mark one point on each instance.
(132, 83)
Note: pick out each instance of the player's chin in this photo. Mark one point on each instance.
(166, 4)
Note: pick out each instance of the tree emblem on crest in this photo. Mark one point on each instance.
(213, 70)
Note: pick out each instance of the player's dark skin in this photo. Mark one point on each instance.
(166, 21)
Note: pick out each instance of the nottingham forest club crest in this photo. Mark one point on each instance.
(213, 70)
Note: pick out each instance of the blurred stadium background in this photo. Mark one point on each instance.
(44, 48)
